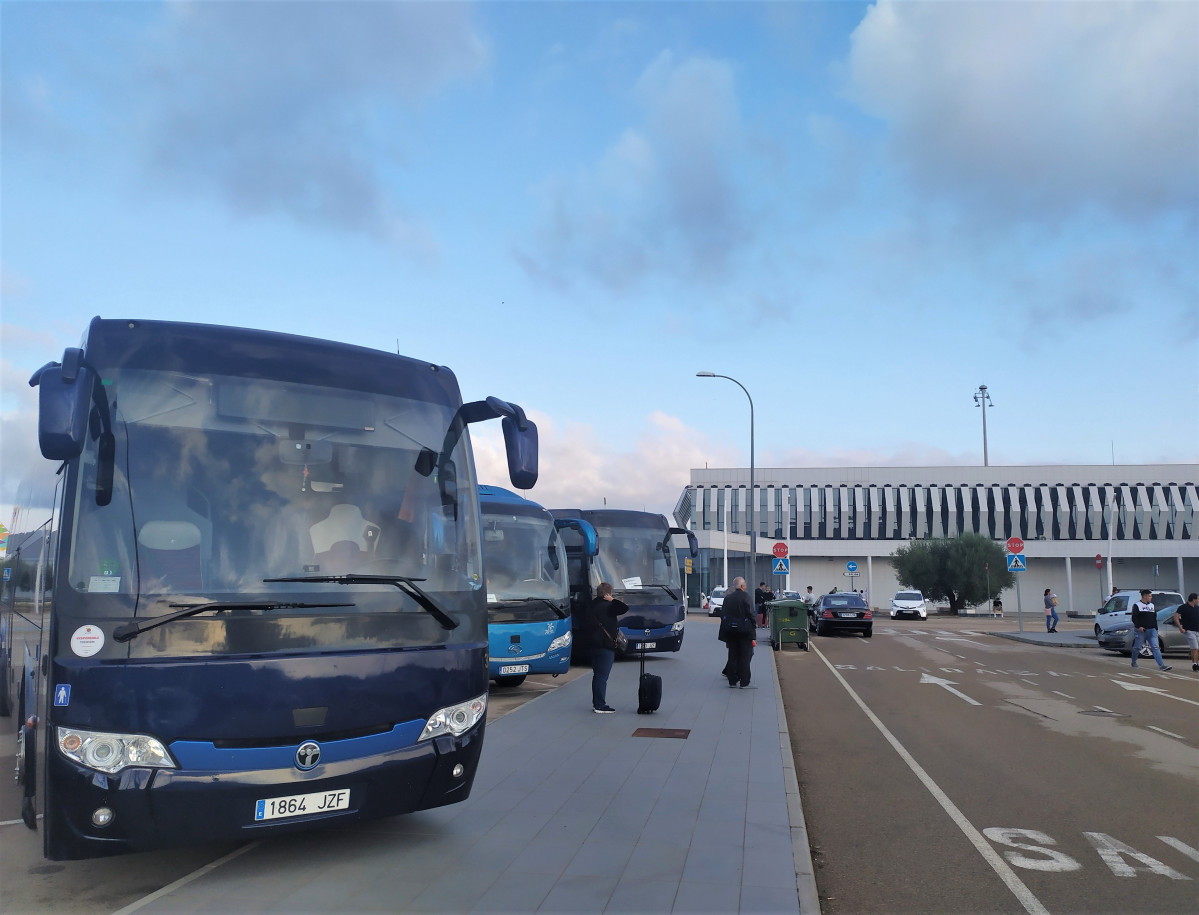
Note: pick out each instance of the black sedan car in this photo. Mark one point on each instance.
(840, 612)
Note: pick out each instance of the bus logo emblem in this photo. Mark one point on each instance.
(514, 649)
(308, 755)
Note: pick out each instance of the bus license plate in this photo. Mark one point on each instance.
(273, 808)
(648, 645)
(507, 669)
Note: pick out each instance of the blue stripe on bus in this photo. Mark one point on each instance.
(204, 756)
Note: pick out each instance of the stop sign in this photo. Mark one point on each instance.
(1015, 545)
(780, 551)
(1098, 561)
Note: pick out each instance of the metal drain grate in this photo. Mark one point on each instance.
(677, 733)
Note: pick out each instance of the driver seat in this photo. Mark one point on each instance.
(342, 539)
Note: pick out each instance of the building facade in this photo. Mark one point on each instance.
(1087, 528)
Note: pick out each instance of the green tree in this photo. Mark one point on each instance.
(954, 569)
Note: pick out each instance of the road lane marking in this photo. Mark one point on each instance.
(942, 638)
(1023, 894)
(948, 685)
(1113, 852)
(1063, 695)
(1154, 689)
(1179, 845)
(185, 880)
(1164, 731)
(1055, 862)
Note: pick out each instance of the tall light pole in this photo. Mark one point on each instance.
(982, 399)
(753, 529)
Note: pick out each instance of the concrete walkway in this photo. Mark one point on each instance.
(571, 812)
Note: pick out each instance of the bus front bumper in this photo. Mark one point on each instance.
(233, 804)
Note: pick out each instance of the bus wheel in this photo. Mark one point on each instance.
(510, 681)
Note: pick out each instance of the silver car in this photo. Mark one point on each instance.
(1119, 636)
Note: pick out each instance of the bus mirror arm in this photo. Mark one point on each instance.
(692, 542)
(520, 436)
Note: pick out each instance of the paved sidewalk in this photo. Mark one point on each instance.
(571, 812)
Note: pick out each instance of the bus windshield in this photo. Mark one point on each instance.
(525, 562)
(634, 557)
(220, 482)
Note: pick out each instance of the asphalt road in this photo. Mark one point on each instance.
(943, 769)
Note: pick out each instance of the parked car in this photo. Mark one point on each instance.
(840, 612)
(716, 601)
(1118, 608)
(1119, 635)
(908, 603)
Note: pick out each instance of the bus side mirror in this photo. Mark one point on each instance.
(521, 445)
(64, 403)
(692, 542)
(586, 531)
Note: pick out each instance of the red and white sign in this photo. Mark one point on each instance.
(780, 550)
(1098, 560)
(1014, 545)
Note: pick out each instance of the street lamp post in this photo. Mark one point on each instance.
(753, 528)
(983, 399)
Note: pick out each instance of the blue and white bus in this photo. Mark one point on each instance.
(262, 603)
(635, 554)
(528, 591)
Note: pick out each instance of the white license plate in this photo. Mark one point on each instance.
(272, 808)
(847, 615)
(514, 669)
(648, 645)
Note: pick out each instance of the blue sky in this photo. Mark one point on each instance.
(860, 211)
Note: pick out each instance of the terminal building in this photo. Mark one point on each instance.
(1086, 528)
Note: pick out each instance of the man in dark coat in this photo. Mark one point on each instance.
(604, 612)
(738, 627)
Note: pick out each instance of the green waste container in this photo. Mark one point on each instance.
(788, 623)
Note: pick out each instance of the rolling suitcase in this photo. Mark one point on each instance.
(649, 687)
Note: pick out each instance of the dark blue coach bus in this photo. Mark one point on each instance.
(634, 553)
(265, 610)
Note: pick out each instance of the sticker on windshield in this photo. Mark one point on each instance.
(87, 640)
(101, 583)
(631, 584)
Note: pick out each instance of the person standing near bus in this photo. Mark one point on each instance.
(737, 630)
(605, 610)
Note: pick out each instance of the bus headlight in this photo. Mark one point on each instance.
(455, 719)
(110, 753)
(561, 641)
(676, 628)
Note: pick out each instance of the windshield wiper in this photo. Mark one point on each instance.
(129, 630)
(405, 584)
(562, 614)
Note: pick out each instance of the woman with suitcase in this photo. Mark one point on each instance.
(605, 610)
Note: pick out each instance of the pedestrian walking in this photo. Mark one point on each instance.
(1051, 617)
(605, 636)
(1144, 627)
(737, 632)
(997, 608)
(1186, 618)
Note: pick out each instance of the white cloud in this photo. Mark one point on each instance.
(1050, 107)
(664, 198)
(293, 107)
(578, 469)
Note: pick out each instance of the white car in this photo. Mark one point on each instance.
(716, 601)
(908, 603)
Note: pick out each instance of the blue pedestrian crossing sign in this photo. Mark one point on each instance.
(1016, 563)
(782, 566)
